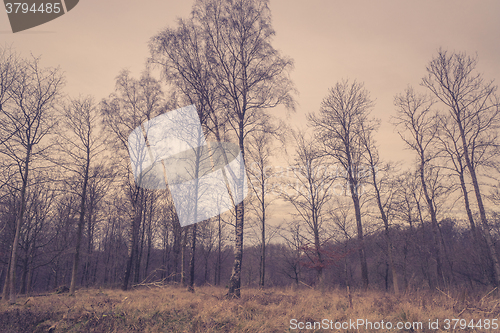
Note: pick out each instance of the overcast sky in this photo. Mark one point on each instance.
(384, 43)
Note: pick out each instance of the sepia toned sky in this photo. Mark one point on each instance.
(384, 43)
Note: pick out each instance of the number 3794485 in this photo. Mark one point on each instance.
(24, 8)
(486, 324)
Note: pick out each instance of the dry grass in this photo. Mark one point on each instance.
(172, 309)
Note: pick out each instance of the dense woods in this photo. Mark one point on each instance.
(337, 214)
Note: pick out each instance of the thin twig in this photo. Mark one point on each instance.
(443, 293)
(481, 300)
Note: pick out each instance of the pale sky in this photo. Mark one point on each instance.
(384, 43)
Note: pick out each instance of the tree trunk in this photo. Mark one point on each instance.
(140, 244)
(30, 279)
(219, 253)
(134, 238)
(353, 186)
(5, 291)
(81, 224)
(467, 207)
(24, 276)
(183, 258)
(191, 262)
(165, 258)
(482, 212)
(361, 245)
(90, 236)
(19, 222)
(263, 248)
(205, 277)
(476, 237)
(436, 247)
(317, 247)
(235, 280)
(148, 253)
(177, 249)
(386, 226)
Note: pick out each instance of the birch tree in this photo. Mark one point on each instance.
(224, 62)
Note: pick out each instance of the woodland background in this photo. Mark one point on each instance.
(71, 213)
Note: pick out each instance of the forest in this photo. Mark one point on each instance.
(323, 209)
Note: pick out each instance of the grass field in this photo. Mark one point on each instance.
(173, 309)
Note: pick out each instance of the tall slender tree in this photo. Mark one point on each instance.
(261, 177)
(474, 106)
(418, 129)
(134, 102)
(223, 61)
(30, 117)
(309, 191)
(384, 196)
(340, 124)
(82, 146)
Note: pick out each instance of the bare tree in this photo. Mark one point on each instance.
(384, 195)
(342, 119)
(82, 144)
(309, 192)
(473, 105)
(134, 102)
(30, 117)
(261, 176)
(247, 75)
(10, 66)
(415, 117)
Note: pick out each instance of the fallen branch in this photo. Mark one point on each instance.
(306, 285)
